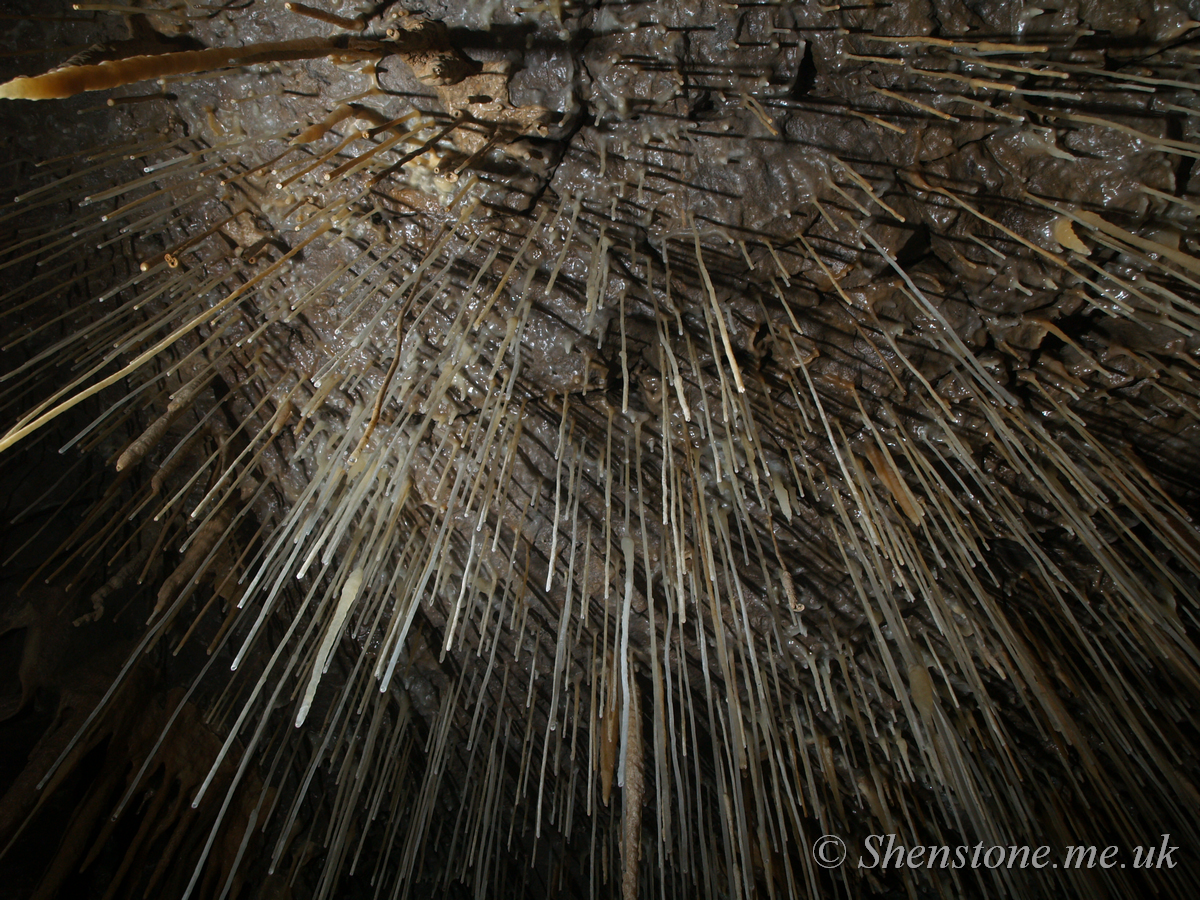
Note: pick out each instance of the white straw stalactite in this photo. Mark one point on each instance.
(578, 450)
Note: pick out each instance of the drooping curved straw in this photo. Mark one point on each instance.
(66, 82)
